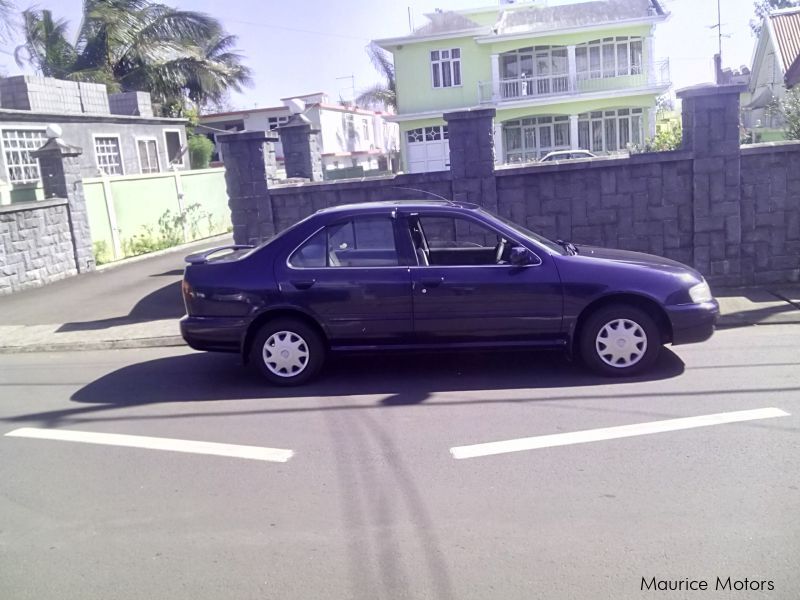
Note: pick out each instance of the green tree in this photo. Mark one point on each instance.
(384, 93)
(132, 45)
(764, 7)
(790, 111)
(200, 150)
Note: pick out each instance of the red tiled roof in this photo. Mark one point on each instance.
(786, 26)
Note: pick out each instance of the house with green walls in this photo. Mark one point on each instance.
(561, 75)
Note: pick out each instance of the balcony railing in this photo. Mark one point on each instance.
(527, 87)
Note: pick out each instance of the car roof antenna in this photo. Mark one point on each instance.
(397, 187)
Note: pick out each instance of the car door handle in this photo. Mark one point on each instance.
(303, 284)
(431, 281)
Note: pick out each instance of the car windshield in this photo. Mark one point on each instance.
(524, 231)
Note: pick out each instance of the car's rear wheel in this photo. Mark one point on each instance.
(619, 341)
(287, 352)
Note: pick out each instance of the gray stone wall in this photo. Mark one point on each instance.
(732, 213)
(770, 212)
(641, 203)
(290, 203)
(36, 245)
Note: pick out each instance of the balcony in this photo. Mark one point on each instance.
(531, 88)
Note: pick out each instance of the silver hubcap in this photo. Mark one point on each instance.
(621, 343)
(285, 353)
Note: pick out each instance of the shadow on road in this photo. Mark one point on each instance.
(164, 303)
(408, 379)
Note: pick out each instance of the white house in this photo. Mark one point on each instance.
(351, 136)
(776, 66)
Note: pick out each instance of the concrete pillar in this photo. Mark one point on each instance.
(572, 65)
(499, 152)
(302, 148)
(711, 131)
(61, 178)
(471, 138)
(495, 77)
(649, 59)
(574, 137)
(651, 122)
(249, 165)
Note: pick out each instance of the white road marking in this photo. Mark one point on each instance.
(611, 433)
(155, 443)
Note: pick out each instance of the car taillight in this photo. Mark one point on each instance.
(186, 289)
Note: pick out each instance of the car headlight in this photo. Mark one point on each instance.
(700, 293)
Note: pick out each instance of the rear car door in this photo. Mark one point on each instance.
(463, 293)
(351, 276)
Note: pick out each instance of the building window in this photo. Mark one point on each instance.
(17, 146)
(527, 140)
(172, 140)
(534, 71)
(446, 67)
(427, 134)
(148, 155)
(106, 151)
(275, 122)
(610, 130)
(609, 57)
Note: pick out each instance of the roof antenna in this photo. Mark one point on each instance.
(397, 187)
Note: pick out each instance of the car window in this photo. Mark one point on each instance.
(358, 242)
(455, 241)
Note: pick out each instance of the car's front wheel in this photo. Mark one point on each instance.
(287, 352)
(620, 341)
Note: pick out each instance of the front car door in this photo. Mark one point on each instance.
(465, 291)
(351, 276)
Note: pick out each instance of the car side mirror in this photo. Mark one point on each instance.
(521, 256)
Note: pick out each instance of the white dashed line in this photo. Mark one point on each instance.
(611, 433)
(155, 443)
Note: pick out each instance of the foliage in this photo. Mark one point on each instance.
(173, 230)
(763, 8)
(669, 138)
(384, 93)
(133, 45)
(790, 111)
(200, 150)
(102, 253)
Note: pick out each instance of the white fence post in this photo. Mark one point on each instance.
(111, 213)
(176, 174)
(5, 193)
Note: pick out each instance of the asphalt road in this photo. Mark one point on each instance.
(141, 290)
(373, 504)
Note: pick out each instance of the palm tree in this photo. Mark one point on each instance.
(135, 45)
(381, 93)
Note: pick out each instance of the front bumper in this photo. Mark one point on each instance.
(217, 334)
(693, 323)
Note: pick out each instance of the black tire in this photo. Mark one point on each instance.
(296, 334)
(635, 326)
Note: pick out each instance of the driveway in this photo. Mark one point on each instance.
(144, 289)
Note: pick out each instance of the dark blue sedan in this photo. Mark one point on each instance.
(435, 274)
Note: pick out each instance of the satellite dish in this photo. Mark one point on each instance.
(296, 106)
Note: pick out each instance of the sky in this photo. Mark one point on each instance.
(309, 46)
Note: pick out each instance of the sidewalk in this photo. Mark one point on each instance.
(740, 307)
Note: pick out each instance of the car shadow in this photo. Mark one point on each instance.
(405, 378)
(164, 303)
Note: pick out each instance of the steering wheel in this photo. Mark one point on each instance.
(500, 250)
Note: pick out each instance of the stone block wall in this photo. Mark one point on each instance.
(642, 203)
(290, 203)
(770, 212)
(36, 245)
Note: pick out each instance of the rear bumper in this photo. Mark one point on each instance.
(693, 323)
(217, 334)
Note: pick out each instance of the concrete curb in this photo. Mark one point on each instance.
(153, 342)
